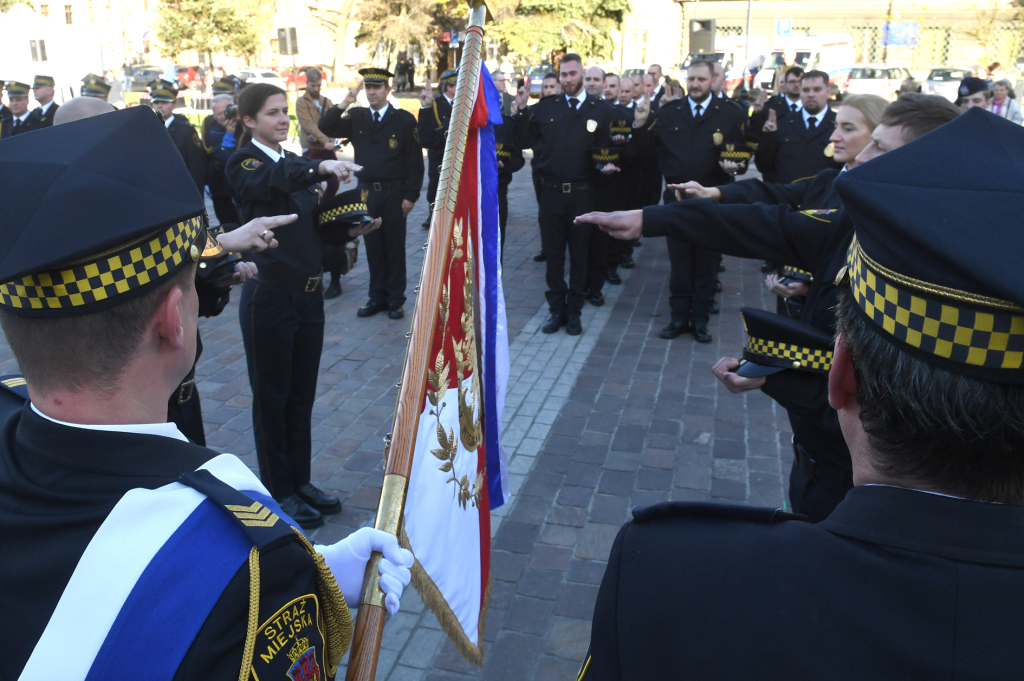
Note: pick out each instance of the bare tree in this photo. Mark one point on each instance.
(335, 16)
(395, 25)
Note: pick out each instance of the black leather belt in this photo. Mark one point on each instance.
(381, 186)
(292, 283)
(821, 472)
(566, 187)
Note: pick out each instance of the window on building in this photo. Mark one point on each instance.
(44, 10)
(38, 48)
(67, 14)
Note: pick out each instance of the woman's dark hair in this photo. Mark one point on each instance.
(930, 426)
(251, 100)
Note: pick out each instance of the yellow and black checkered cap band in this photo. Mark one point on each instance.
(788, 355)
(454, 78)
(43, 81)
(621, 127)
(605, 156)
(91, 284)
(735, 155)
(17, 89)
(963, 328)
(797, 273)
(504, 153)
(333, 214)
(375, 75)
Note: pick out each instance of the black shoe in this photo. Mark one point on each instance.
(554, 323)
(324, 503)
(721, 267)
(371, 309)
(305, 515)
(768, 267)
(539, 257)
(718, 286)
(674, 330)
(596, 299)
(573, 325)
(613, 277)
(701, 333)
(715, 309)
(334, 290)
(627, 263)
(396, 312)
(426, 224)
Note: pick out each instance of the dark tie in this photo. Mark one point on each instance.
(792, 107)
(573, 103)
(376, 117)
(812, 123)
(17, 123)
(696, 113)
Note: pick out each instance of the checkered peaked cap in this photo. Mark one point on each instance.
(780, 342)
(95, 212)
(935, 264)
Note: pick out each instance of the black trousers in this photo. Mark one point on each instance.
(283, 335)
(558, 233)
(650, 186)
(503, 210)
(608, 196)
(385, 247)
(334, 260)
(225, 209)
(691, 283)
(433, 175)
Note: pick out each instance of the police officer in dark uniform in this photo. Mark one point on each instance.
(611, 194)
(510, 161)
(566, 127)
(784, 103)
(816, 241)
(796, 145)
(282, 309)
(42, 115)
(919, 571)
(187, 588)
(186, 140)
(387, 147)
(6, 117)
(18, 121)
(432, 124)
(687, 136)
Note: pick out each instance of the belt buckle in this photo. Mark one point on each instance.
(566, 187)
(312, 283)
(185, 391)
(376, 186)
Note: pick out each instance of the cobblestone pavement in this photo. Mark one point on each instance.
(594, 425)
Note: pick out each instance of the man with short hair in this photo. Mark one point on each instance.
(550, 86)
(610, 92)
(784, 103)
(42, 91)
(593, 81)
(626, 88)
(919, 570)
(17, 122)
(501, 82)
(656, 90)
(797, 145)
(164, 97)
(973, 92)
(78, 108)
(434, 117)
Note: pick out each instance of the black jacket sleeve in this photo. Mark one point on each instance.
(756, 191)
(523, 133)
(252, 179)
(413, 163)
(195, 158)
(334, 123)
(775, 233)
(432, 134)
(602, 660)
(767, 151)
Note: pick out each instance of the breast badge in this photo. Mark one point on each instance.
(591, 125)
(717, 138)
(392, 143)
(830, 150)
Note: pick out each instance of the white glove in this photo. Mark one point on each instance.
(347, 560)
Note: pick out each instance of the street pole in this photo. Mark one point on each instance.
(746, 47)
(885, 35)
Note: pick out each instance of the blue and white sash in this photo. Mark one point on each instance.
(146, 583)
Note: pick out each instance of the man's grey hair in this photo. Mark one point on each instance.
(221, 98)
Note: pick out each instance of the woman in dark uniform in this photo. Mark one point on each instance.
(282, 308)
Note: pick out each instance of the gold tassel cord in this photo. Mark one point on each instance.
(337, 619)
(254, 613)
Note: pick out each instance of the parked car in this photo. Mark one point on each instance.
(188, 76)
(945, 81)
(144, 74)
(298, 75)
(263, 76)
(536, 75)
(878, 79)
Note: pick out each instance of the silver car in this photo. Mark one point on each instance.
(945, 81)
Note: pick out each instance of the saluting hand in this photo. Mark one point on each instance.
(694, 190)
(426, 95)
(522, 97)
(724, 371)
(623, 224)
(772, 124)
(256, 235)
(350, 98)
(641, 112)
(341, 169)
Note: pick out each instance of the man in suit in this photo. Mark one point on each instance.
(501, 82)
(652, 181)
(566, 128)
(686, 137)
(186, 140)
(918, 573)
(657, 90)
(42, 91)
(16, 122)
(432, 125)
(387, 146)
(796, 145)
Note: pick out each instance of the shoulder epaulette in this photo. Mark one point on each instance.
(678, 509)
(15, 383)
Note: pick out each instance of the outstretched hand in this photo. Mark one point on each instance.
(341, 169)
(695, 190)
(426, 95)
(623, 224)
(256, 235)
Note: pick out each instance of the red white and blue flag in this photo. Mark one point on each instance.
(459, 470)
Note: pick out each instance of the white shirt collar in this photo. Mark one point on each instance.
(655, 92)
(703, 106)
(46, 107)
(161, 429)
(383, 110)
(275, 156)
(631, 104)
(790, 103)
(168, 122)
(924, 491)
(817, 117)
(581, 97)
(22, 117)
(447, 99)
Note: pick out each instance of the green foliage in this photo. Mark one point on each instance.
(395, 25)
(206, 26)
(538, 28)
(7, 4)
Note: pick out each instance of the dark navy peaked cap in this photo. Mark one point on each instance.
(935, 264)
(95, 211)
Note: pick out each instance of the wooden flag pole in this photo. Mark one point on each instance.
(362, 664)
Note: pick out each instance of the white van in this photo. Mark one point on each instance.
(829, 52)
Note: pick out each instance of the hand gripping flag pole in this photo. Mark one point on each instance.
(425, 377)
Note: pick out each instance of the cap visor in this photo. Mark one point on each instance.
(752, 370)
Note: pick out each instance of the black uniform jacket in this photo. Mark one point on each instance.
(213, 137)
(191, 148)
(511, 157)
(793, 152)
(895, 584)
(387, 151)
(38, 120)
(780, 103)
(58, 484)
(562, 138)
(688, 150)
(808, 193)
(432, 127)
(6, 121)
(265, 188)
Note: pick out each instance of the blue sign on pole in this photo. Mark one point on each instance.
(783, 27)
(453, 42)
(900, 33)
